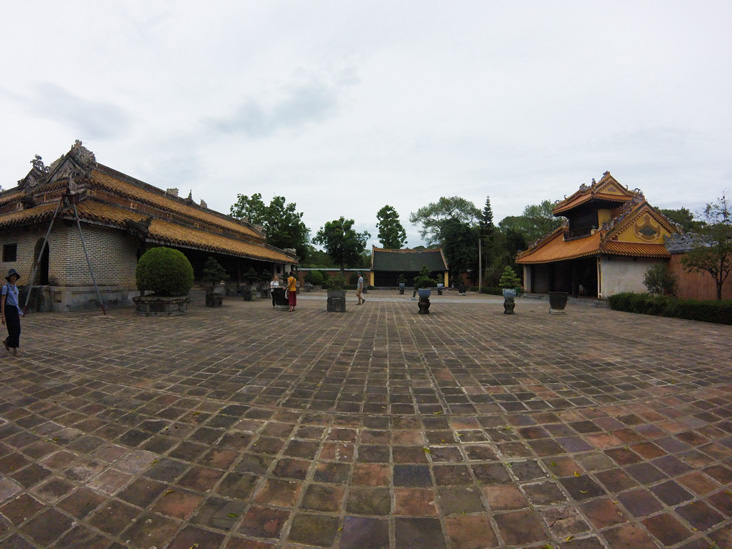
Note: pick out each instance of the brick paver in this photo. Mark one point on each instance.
(466, 428)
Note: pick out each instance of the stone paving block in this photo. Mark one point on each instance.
(377, 431)
(419, 532)
(21, 508)
(364, 533)
(520, 528)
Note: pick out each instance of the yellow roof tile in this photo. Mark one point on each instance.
(135, 192)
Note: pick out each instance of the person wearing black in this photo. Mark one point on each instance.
(11, 313)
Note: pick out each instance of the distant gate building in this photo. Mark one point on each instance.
(387, 265)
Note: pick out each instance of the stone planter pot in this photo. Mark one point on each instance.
(424, 301)
(557, 302)
(509, 294)
(462, 290)
(336, 301)
(160, 306)
(279, 300)
(214, 300)
(401, 288)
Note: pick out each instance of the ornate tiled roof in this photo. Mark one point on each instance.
(635, 229)
(407, 260)
(607, 189)
(111, 198)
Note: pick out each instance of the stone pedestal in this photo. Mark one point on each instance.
(508, 305)
(336, 301)
(160, 306)
(424, 305)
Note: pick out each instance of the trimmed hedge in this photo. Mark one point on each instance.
(315, 278)
(165, 272)
(719, 312)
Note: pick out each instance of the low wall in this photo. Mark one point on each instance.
(697, 285)
(78, 298)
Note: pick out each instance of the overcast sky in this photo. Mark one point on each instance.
(343, 107)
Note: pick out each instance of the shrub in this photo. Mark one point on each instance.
(337, 282)
(423, 280)
(165, 272)
(251, 276)
(314, 277)
(509, 279)
(716, 311)
(213, 272)
(402, 279)
(660, 280)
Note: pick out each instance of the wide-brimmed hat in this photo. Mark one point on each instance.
(12, 272)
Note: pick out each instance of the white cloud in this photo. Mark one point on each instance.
(345, 107)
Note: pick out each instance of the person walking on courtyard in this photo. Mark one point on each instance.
(359, 290)
(292, 291)
(11, 312)
(274, 283)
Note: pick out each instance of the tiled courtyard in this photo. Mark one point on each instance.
(466, 428)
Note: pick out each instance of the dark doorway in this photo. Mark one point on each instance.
(42, 272)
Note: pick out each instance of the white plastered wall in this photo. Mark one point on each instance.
(622, 274)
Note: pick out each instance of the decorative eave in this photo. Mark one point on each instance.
(635, 209)
(607, 189)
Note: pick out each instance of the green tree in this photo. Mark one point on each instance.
(460, 246)
(535, 222)
(684, 218)
(659, 279)
(452, 222)
(487, 234)
(341, 242)
(213, 272)
(317, 258)
(280, 220)
(391, 232)
(435, 215)
(713, 252)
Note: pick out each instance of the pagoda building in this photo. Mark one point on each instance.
(610, 239)
(122, 217)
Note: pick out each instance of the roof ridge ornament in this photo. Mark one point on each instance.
(83, 156)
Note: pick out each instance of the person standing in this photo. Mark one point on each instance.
(274, 283)
(11, 312)
(292, 291)
(359, 290)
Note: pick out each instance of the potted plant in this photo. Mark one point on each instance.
(250, 277)
(263, 284)
(336, 294)
(424, 285)
(213, 274)
(402, 283)
(509, 282)
(168, 274)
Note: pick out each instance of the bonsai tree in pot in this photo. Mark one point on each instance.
(402, 283)
(250, 277)
(263, 284)
(213, 274)
(424, 284)
(168, 274)
(509, 282)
